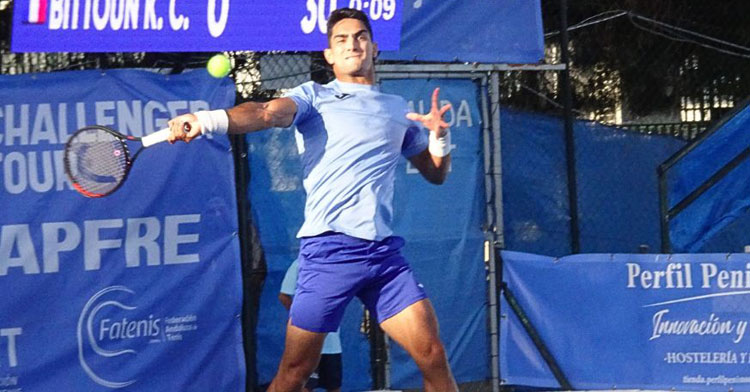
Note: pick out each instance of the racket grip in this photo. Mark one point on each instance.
(156, 137)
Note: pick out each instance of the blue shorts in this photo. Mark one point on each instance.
(333, 268)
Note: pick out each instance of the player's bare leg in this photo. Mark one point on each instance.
(416, 330)
(301, 355)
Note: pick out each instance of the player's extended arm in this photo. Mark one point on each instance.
(434, 162)
(243, 118)
(254, 116)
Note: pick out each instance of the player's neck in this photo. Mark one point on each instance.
(358, 79)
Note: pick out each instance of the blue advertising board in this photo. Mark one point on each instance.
(629, 321)
(137, 291)
(189, 26)
(508, 31)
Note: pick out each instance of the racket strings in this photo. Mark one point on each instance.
(97, 162)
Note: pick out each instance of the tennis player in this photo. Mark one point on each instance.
(350, 138)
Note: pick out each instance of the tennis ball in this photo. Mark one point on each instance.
(219, 66)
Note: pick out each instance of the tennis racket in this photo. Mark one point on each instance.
(97, 159)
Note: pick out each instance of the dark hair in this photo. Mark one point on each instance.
(347, 13)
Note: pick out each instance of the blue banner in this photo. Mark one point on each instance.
(179, 26)
(443, 245)
(140, 290)
(726, 201)
(627, 321)
(508, 31)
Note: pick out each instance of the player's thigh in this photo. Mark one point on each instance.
(415, 327)
(393, 288)
(301, 348)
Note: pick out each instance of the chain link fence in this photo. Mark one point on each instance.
(647, 78)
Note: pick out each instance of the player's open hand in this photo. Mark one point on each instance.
(434, 119)
(185, 127)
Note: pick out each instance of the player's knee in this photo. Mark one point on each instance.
(431, 355)
(298, 371)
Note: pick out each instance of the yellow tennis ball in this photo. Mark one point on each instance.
(219, 66)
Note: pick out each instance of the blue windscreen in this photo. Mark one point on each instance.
(618, 198)
(693, 229)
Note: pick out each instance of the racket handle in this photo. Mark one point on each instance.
(161, 136)
(156, 137)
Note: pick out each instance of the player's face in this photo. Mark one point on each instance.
(351, 51)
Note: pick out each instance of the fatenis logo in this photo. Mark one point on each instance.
(93, 330)
(114, 336)
(37, 11)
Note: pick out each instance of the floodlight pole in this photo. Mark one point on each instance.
(567, 97)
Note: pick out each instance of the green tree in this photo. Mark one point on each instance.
(648, 66)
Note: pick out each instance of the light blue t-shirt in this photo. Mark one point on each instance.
(332, 344)
(350, 138)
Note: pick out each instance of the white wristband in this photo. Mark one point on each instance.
(214, 121)
(440, 146)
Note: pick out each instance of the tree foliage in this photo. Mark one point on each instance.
(652, 67)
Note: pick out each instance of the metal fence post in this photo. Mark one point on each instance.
(567, 96)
